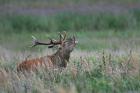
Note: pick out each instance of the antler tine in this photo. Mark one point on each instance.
(75, 41)
(34, 41)
(64, 35)
(51, 40)
(74, 37)
(60, 36)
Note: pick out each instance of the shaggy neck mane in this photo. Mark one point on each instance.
(61, 57)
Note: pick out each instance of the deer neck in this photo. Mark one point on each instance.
(61, 57)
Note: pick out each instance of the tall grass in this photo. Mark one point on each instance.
(70, 22)
(104, 73)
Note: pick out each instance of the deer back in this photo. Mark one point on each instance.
(33, 64)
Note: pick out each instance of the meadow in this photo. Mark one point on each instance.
(105, 60)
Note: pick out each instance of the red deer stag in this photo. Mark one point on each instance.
(58, 59)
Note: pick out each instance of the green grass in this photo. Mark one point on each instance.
(88, 40)
(88, 74)
(70, 22)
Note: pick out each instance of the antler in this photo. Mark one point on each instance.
(62, 37)
(51, 43)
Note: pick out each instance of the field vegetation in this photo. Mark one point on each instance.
(106, 59)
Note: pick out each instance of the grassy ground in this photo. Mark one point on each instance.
(102, 63)
(106, 59)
